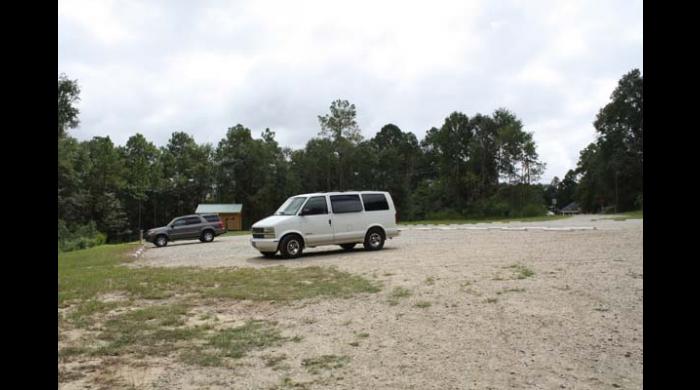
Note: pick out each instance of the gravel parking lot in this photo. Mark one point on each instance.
(486, 308)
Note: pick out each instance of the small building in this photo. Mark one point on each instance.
(571, 208)
(230, 213)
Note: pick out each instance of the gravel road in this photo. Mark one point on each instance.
(575, 323)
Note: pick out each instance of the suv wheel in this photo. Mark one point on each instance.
(207, 236)
(161, 241)
(291, 246)
(374, 240)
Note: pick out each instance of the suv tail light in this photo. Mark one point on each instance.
(221, 224)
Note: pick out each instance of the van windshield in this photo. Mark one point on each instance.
(291, 206)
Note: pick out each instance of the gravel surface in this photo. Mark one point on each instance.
(575, 323)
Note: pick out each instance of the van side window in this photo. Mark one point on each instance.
(346, 204)
(374, 202)
(315, 205)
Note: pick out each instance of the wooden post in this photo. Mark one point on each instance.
(141, 236)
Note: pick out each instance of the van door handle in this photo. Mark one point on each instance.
(329, 221)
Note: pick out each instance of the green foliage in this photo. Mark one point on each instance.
(78, 237)
(470, 167)
(611, 168)
(68, 95)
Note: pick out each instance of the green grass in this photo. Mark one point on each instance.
(235, 233)
(148, 325)
(398, 293)
(235, 343)
(521, 272)
(484, 220)
(423, 304)
(153, 330)
(509, 290)
(86, 274)
(325, 362)
(639, 214)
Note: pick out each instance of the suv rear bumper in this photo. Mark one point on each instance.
(265, 244)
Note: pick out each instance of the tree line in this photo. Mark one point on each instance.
(477, 166)
(469, 167)
(609, 175)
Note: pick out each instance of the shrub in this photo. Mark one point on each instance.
(79, 236)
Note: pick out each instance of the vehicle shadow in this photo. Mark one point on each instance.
(186, 242)
(316, 255)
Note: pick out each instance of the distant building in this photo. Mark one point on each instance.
(571, 208)
(230, 213)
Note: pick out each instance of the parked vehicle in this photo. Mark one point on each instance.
(188, 227)
(334, 218)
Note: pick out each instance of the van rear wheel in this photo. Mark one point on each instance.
(374, 239)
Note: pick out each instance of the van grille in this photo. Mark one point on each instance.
(258, 233)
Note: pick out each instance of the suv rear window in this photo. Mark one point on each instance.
(374, 202)
(192, 220)
(212, 218)
(346, 203)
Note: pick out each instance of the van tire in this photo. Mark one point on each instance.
(348, 247)
(374, 239)
(291, 246)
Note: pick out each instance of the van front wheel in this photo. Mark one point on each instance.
(291, 246)
(374, 239)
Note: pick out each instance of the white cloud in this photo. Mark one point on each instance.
(201, 67)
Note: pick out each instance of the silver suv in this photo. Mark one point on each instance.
(204, 227)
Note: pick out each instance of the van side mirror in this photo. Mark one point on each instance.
(305, 211)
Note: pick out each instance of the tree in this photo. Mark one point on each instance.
(140, 158)
(612, 170)
(389, 163)
(340, 126)
(187, 173)
(68, 95)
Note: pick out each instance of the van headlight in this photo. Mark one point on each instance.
(269, 232)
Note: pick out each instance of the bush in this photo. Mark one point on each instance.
(639, 201)
(533, 210)
(443, 214)
(79, 236)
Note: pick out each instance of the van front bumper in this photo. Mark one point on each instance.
(264, 244)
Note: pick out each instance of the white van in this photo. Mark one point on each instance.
(327, 218)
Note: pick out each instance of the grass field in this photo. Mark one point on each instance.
(236, 233)
(484, 220)
(638, 214)
(123, 311)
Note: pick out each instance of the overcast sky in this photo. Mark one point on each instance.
(201, 67)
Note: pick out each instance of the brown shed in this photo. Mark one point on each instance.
(230, 213)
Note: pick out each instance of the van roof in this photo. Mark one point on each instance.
(342, 193)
